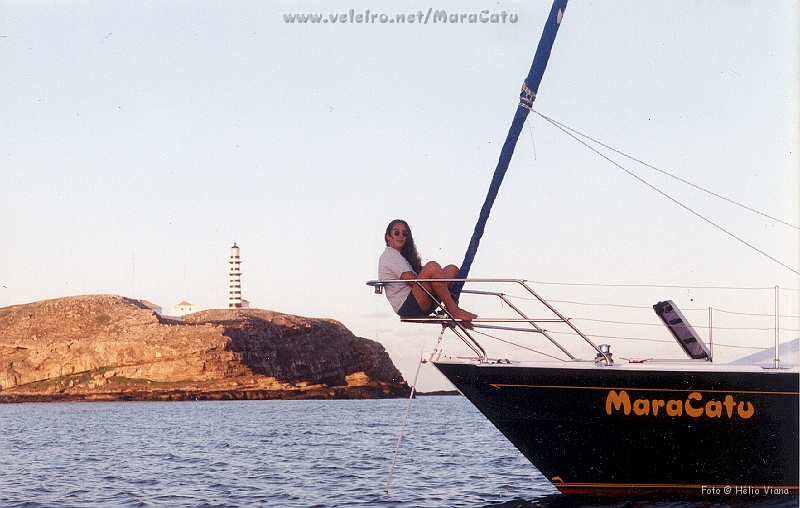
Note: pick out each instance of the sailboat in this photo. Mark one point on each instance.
(643, 425)
(608, 425)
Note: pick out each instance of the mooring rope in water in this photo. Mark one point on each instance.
(403, 426)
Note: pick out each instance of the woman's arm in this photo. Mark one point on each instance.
(409, 276)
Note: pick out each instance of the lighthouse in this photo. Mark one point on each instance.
(235, 294)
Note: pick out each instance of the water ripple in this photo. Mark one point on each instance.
(267, 453)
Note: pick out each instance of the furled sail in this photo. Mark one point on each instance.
(529, 89)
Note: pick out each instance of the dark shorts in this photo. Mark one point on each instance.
(411, 308)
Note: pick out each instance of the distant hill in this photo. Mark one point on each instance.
(107, 347)
(788, 352)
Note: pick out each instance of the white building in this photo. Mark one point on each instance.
(183, 308)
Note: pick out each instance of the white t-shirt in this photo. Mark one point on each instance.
(390, 266)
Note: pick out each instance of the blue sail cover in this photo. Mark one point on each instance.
(529, 89)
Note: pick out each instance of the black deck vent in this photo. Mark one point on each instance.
(683, 332)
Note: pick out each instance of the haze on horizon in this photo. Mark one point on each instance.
(142, 140)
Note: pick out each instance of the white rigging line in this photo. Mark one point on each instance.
(663, 341)
(704, 309)
(668, 174)
(517, 345)
(584, 143)
(590, 284)
(640, 307)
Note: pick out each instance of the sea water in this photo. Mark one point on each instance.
(267, 453)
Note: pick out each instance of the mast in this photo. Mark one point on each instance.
(526, 97)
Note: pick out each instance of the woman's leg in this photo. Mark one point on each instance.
(450, 272)
(441, 290)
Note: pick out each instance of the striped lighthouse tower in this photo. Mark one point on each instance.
(235, 294)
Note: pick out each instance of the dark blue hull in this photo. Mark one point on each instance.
(597, 429)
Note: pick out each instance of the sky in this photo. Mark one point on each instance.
(140, 140)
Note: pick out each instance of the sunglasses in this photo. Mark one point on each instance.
(397, 232)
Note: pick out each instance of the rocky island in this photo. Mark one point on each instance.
(107, 347)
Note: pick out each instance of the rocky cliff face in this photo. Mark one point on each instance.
(105, 346)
